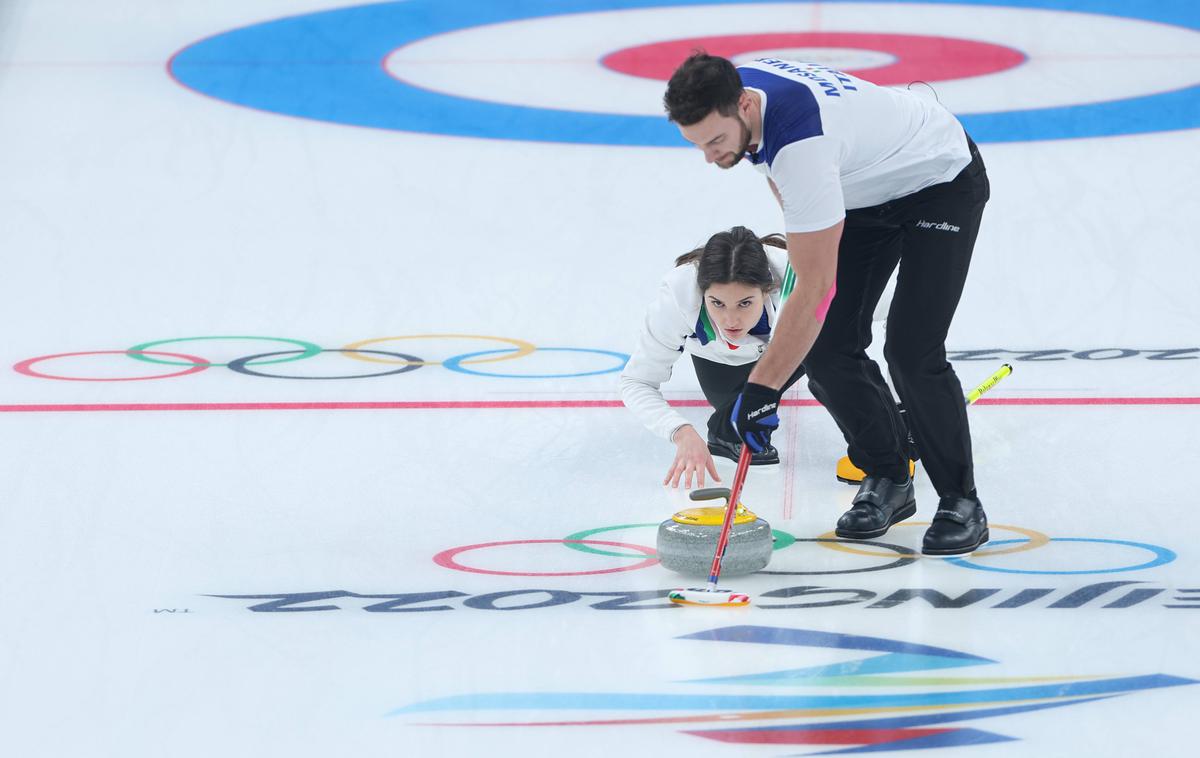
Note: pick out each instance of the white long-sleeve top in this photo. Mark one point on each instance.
(676, 322)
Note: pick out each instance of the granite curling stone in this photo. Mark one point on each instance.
(688, 540)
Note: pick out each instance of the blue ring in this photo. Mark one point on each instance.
(328, 66)
(1161, 556)
(454, 364)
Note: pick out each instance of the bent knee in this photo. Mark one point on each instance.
(905, 358)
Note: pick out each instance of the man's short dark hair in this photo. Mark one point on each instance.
(703, 83)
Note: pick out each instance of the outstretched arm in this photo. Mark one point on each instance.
(813, 256)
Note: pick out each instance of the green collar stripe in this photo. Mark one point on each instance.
(708, 327)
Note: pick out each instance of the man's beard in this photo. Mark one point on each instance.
(743, 147)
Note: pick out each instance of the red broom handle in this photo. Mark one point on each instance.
(730, 509)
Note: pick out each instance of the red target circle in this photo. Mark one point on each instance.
(914, 57)
(447, 558)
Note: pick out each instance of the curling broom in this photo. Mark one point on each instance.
(711, 595)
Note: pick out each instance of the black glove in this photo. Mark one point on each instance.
(755, 415)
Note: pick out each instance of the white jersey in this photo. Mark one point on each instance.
(677, 322)
(832, 142)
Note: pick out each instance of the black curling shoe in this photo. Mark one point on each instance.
(959, 526)
(880, 502)
(733, 451)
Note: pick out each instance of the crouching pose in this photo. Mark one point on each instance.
(720, 304)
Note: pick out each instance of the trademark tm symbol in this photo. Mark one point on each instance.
(172, 610)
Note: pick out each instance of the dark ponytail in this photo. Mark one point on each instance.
(734, 256)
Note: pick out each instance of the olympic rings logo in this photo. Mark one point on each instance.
(363, 351)
(898, 556)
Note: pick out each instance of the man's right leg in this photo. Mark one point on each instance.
(840, 375)
(851, 386)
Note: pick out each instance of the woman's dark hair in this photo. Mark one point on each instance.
(734, 256)
(703, 83)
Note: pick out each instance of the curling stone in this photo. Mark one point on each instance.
(688, 540)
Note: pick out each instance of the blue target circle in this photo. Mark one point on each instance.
(455, 363)
(328, 66)
(1161, 556)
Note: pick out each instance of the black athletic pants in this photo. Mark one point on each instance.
(931, 234)
(722, 384)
